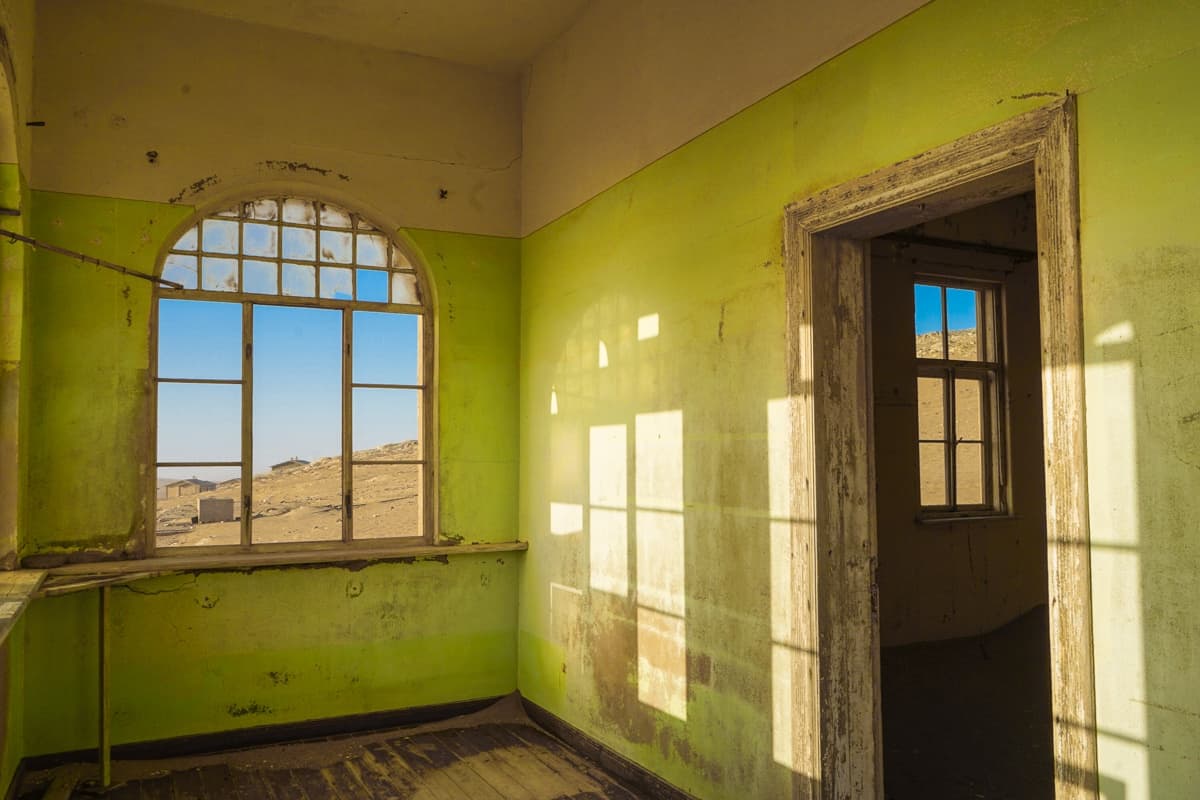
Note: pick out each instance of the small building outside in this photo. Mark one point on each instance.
(289, 465)
(184, 488)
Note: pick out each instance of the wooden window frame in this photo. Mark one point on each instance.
(396, 253)
(826, 250)
(990, 371)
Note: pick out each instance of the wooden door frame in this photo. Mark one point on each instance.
(826, 261)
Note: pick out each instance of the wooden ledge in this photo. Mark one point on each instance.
(197, 562)
(17, 588)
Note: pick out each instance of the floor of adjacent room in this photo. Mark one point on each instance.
(495, 753)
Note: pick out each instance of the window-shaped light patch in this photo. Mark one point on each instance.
(199, 339)
(647, 327)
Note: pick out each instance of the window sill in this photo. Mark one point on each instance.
(950, 519)
(199, 561)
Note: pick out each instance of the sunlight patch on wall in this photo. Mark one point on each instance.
(608, 516)
(566, 518)
(602, 355)
(647, 327)
(1121, 694)
(795, 716)
(662, 635)
(553, 402)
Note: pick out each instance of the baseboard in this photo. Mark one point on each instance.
(633, 775)
(283, 733)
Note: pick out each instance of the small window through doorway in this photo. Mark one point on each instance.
(960, 380)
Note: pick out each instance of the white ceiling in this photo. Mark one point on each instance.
(494, 34)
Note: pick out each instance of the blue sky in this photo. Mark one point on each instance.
(960, 308)
(297, 383)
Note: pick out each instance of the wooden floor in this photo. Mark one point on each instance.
(483, 762)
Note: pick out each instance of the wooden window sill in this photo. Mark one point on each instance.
(196, 560)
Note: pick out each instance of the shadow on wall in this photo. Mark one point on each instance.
(668, 544)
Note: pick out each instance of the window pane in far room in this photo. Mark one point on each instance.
(931, 408)
(962, 320)
(387, 500)
(297, 424)
(969, 474)
(968, 408)
(933, 474)
(386, 348)
(927, 302)
(198, 339)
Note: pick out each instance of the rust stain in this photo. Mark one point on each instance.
(194, 188)
(281, 165)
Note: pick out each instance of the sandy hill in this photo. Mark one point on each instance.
(304, 503)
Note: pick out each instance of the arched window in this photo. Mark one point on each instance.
(292, 382)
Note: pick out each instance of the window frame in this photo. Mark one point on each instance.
(990, 371)
(426, 384)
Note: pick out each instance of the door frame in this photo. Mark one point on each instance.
(826, 252)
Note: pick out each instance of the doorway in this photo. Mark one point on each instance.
(827, 249)
(960, 507)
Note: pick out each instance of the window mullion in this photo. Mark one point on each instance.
(347, 425)
(247, 422)
(952, 440)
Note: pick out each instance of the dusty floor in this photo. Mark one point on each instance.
(970, 718)
(497, 753)
(304, 504)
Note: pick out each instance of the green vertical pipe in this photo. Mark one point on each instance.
(105, 732)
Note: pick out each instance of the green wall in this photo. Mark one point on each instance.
(695, 238)
(214, 651)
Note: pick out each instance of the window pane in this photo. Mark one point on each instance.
(334, 217)
(337, 283)
(181, 269)
(299, 211)
(387, 500)
(399, 260)
(260, 240)
(927, 302)
(297, 417)
(372, 250)
(220, 236)
(933, 474)
(404, 289)
(219, 274)
(969, 475)
(336, 246)
(300, 243)
(199, 422)
(931, 408)
(188, 240)
(265, 210)
(372, 285)
(199, 339)
(261, 277)
(198, 506)
(962, 310)
(299, 280)
(968, 408)
(386, 348)
(385, 424)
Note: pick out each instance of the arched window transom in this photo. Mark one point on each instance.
(292, 383)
